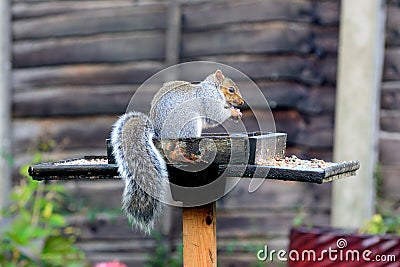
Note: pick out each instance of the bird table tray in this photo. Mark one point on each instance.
(195, 162)
(254, 155)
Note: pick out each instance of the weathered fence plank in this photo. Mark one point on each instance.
(32, 9)
(390, 95)
(393, 26)
(104, 49)
(90, 74)
(390, 120)
(307, 70)
(391, 70)
(389, 153)
(272, 38)
(64, 102)
(266, 198)
(97, 21)
(66, 133)
(284, 95)
(212, 15)
(390, 181)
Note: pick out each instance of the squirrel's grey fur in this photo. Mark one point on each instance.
(141, 167)
(178, 110)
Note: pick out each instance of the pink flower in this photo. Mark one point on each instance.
(110, 264)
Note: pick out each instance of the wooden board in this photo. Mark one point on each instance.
(200, 236)
(309, 175)
(103, 49)
(62, 101)
(85, 74)
(392, 26)
(114, 19)
(390, 95)
(391, 70)
(52, 171)
(36, 9)
(389, 147)
(390, 120)
(268, 38)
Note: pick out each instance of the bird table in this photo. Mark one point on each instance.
(215, 159)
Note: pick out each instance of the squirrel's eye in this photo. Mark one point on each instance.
(231, 89)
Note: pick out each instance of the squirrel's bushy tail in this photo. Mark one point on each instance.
(141, 167)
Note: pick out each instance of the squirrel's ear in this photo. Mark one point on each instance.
(219, 76)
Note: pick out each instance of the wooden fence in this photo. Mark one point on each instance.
(389, 173)
(76, 65)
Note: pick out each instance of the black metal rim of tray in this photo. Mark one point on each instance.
(311, 175)
(59, 170)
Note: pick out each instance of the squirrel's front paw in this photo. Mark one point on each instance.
(236, 114)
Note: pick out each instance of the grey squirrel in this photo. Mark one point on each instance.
(178, 110)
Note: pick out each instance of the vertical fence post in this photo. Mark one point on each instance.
(173, 34)
(200, 236)
(5, 103)
(361, 50)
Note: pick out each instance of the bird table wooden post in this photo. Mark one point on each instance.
(200, 236)
(236, 156)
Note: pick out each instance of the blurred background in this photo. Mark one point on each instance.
(76, 64)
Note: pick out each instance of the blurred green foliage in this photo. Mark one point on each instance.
(162, 256)
(378, 224)
(32, 231)
(387, 219)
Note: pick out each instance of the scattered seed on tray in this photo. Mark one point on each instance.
(84, 162)
(294, 162)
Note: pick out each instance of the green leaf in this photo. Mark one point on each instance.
(57, 244)
(57, 220)
(60, 251)
(42, 232)
(21, 232)
(23, 170)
